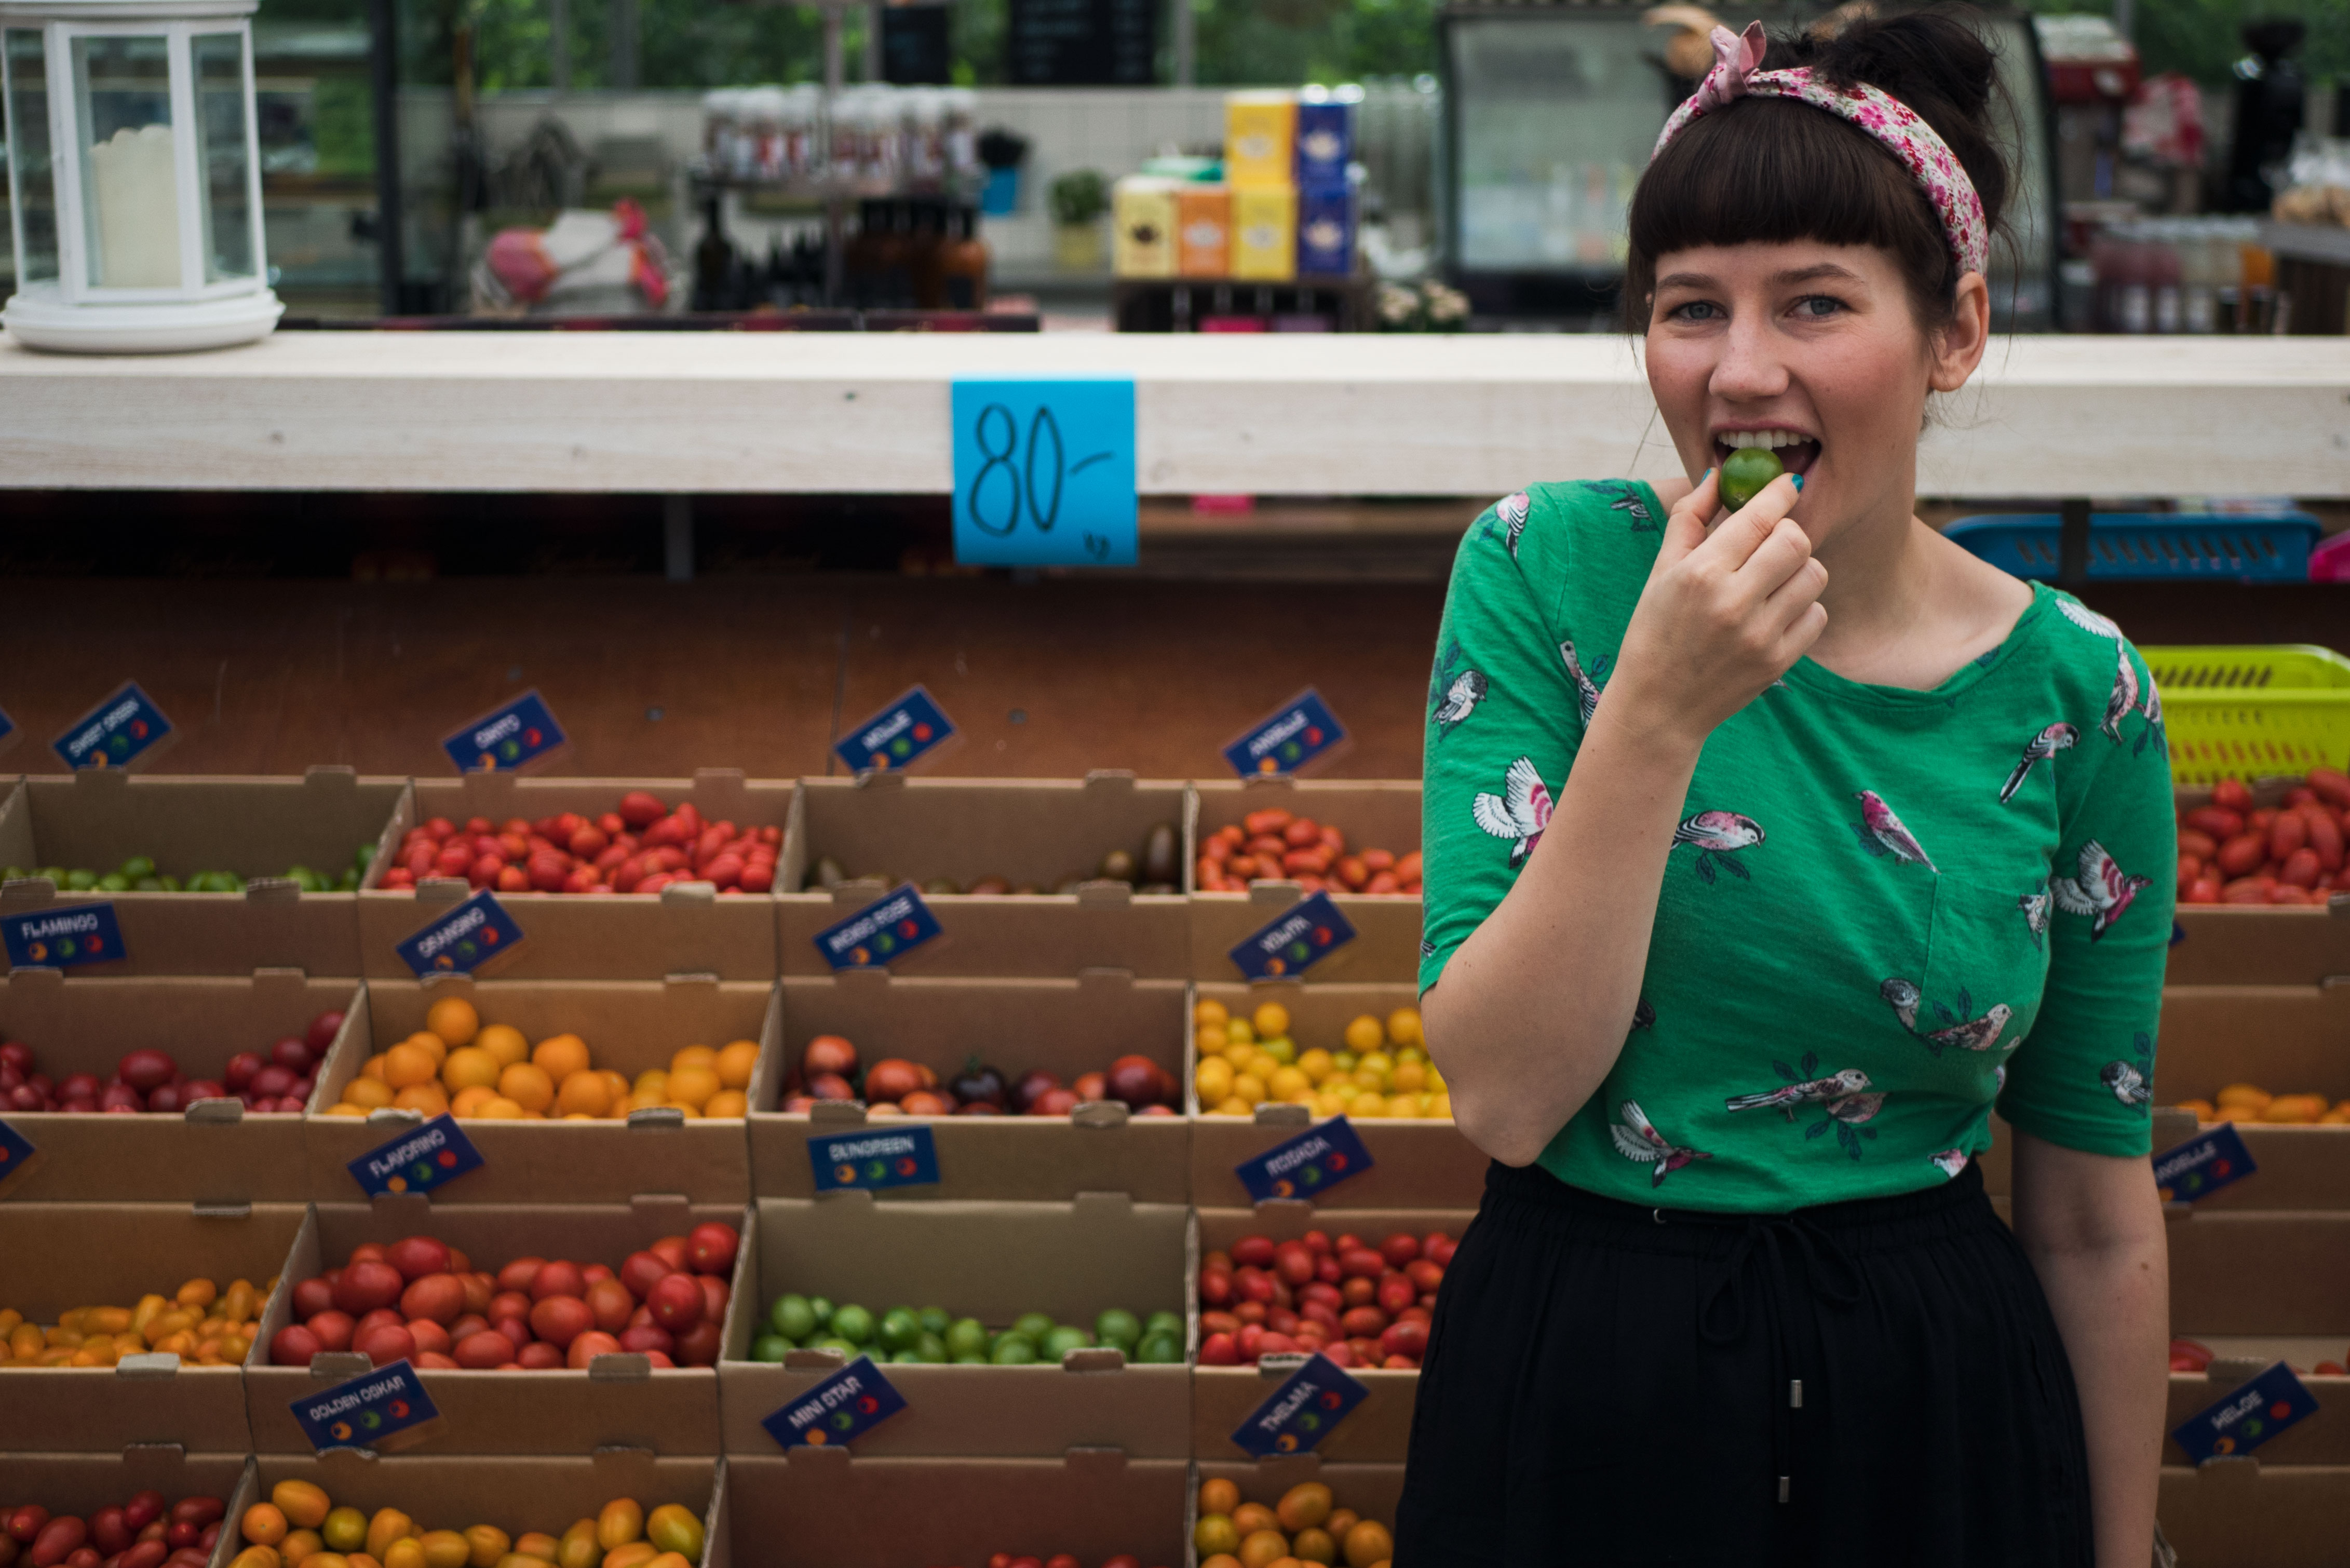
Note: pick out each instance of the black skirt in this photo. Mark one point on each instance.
(1875, 1383)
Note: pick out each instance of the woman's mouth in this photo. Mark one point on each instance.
(1798, 452)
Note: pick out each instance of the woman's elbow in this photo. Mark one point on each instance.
(1499, 1126)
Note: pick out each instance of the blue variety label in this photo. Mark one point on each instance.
(7, 729)
(2247, 1417)
(1306, 1165)
(852, 1400)
(1044, 472)
(1301, 1411)
(363, 1412)
(897, 735)
(62, 936)
(463, 939)
(424, 1160)
(1299, 730)
(886, 928)
(1298, 937)
(17, 1153)
(114, 731)
(899, 1157)
(2203, 1164)
(505, 738)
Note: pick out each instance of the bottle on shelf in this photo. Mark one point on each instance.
(963, 264)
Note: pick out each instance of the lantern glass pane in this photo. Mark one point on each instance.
(32, 183)
(223, 152)
(130, 198)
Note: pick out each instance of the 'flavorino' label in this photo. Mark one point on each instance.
(371, 1407)
(902, 1156)
(114, 731)
(64, 937)
(421, 1160)
(463, 939)
(848, 1402)
(1306, 1165)
(1297, 939)
(905, 730)
(2247, 1417)
(1301, 729)
(884, 930)
(505, 738)
(1301, 1411)
(2203, 1164)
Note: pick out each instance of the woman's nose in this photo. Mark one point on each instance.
(1750, 366)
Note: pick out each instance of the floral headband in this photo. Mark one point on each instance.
(1895, 124)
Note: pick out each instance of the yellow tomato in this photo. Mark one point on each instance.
(1262, 1065)
(1210, 1040)
(1241, 1031)
(1233, 1105)
(577, 1548)
(1403, 1027)
(452, 1018)
(1366, 1106)
(673, 1528)
(1210, 1013)
(506, 1042)
(256, 1557)
(1367, 1544)
(387, 1525)
(444, 1549)
(1214, 1534)
(635, 1554)
(736, 1062)
(1271, 1019)
(1213, 1079)
(1262, 1548)
(1329, 1105)
(1288, 1085)
(1363, 1034)
(1219, 1497)
(484, 1544)
(1316, 1065)
(345, 1530)
(1345, 1060)
(1282, 1049)
(1303, 1506)
(621, 1522)
(1410, 1077)
(405, 1553)
(1248, 1088)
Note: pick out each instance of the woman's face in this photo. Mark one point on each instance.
(1812, 350)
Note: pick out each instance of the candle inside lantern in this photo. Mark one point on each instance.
(138, 204)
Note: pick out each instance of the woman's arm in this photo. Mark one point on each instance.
(1532, 1009)
(2092, 1225)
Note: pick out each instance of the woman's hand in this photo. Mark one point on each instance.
(1724, 616)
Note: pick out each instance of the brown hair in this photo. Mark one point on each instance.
(1772, 170)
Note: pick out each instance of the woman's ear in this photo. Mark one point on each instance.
(1959, 346)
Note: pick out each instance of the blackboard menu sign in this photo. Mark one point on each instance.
(1084, 42)
(914, 49)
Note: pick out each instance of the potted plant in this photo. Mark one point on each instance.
(1079, 200)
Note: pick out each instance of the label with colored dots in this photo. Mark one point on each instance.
(2247, 1417)
(505, 738)
(852, 1400)
(1307, 1165)
(875, 1157)
(424, 1160)
(463, 939)
(1301, 1411)
(62, 936)
(910, 728)
(887, 929)
(18, 1154)
(1297, 939)
(2203, 1164)
(1293, 735)
(117, 730)
(388, 1403)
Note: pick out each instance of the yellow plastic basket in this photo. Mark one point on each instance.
(2252, 713)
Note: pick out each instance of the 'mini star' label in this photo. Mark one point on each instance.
(852, 1400)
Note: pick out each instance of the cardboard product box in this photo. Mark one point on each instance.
(82, 1483)
(989, 1260)
(213, 1152)
(628, 1025)
(886, 828)
(1381, 815)
(1260, 138)
(1325, 230)
(1371, 1491)
(619, 1401)
(2287, 1038)
(688, 927)
(2241, 944)
(827, 1508)
(2240, 1513)
(1265, 233)
(1142, 227)
(1222, 1397)
(1066, 1027)
(2257, 1287)
(1204, 231)
(259, 829)
(1420, 1163)
(67, 1255)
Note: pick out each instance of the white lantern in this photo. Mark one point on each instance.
(134, 179)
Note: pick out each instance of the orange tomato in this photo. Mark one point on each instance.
(302, 1502)
(527, 1085)
(1262, 1548)
(584, 1093)
(735, 1062)
(1369, 1543)
(264, 1524)
(452, 1018)
(693, 1057)
(404, 1064)
(728, 1103)
(470, 1067)
(428, 1097)
(469, 1102)
(506, 1044)
(560, 1055)
(692, 1085)
(1218, 1496)
(486, 1545)
(498, 1108)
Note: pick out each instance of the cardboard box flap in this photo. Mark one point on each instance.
(677, 893)
(1104, 982)
(880, 779)
(1107, 782)
(1096, 1463)
(1099, 895)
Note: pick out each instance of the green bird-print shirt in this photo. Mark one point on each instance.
(1884, 910)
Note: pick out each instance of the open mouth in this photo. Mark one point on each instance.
(1796, 451)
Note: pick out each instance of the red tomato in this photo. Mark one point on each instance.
(367, 1286)
(673, 1251)
(293, 1345)
(1053, 1103)
(699, 1345)
(517, 1275)
(560, 1320)
(428, 1336)
(588, 1346)
(334, 1329)
(710, 1248)
(439, 1298)
(640, 1272)
(891, 1079)
(2301, 868)
(677, 1303)
(2288, 832)
(828, 1053)
(484, 1350)
(610, 1305)
(645, 1336)
(386, 1343)
(539, 1357)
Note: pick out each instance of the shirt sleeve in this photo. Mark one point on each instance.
(1504, 717)
(2085, 1077)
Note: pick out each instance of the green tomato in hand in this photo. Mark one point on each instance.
(1746, 472)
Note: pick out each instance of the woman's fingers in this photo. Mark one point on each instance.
(1747, 530)
(1685, 524)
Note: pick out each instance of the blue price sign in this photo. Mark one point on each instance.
(1304, 934)
(463, 939)
(902, 732)
(852, 1400)
(2203, 1164)
(66, 937)
(902, 1156)
(2247, 1417)
(1044, 472)
(886, 928)
(371, 1407)
(114, 731)
(1293, 735)
(504, 739)
(1306, 1165)
(422, 1160)
(16, 1154)
(1301, 1411)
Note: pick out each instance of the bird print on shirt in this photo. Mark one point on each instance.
(1961, 1029)
(1460, 699)
(2057, 737)
(1637, 1140)
(1719, 834)
(1826, 1091)
(2101, 889)
(1586, 688)
(1513, 511)
(1881, 832)
(1950, 1162)
(2035, 906)
(2152, 708)
(1845, 1098)
(2124, 694)
(2129, 1081)
(1518, 813)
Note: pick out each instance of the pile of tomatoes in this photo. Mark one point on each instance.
(1278, 845)
(201, 1324)
(300, 1524)
(141, 1533)
(422, 1301)
(1360, 1305)
(641, 847)
(2231, 851)
(1306, 1526)
(829, 1070)
(1057, 1560)
(150, 1080)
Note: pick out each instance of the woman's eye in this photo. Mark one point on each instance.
(1816, 307)
(1697, 310)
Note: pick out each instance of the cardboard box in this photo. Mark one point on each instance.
(2260, 1272)
(81, 1484)
(1260, 138)
(885, 828)
(2287, 1038)
(1424, 1163)
(1377, 1430)
(2240, 1513)
(1381, 815)
(1142, 227)
(989, 1260)
(826, 1508)
(1265, 233)
(1066, 1027)
(1372, 1490)
(629, 1026)
(67, 1255)
(1204, 231)
(687, 929)
(2237, 944)
(620, 1401)
(215, 1153)
(257, 828)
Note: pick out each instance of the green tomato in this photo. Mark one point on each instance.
(966, 1336)
(114, 882)
(173, 884)
(80, 882)
(1032, 1326)
(1119, 1327)
(852, 1323)
(822, 1307)
(1745, 472)
(848, 1348)
(348, 882)
(1159, 1350)
(364, 859)
(970, 1361)
(1061, 1341)
(14, 874)
(931, 1349)
(1012, 1350)
(900, 1329)
(792, 1317)
(771, 1348)
(138, 866)
(935, 1320)
(56, 874)
(908, 1357)
(148, 885)
(1169, 1323)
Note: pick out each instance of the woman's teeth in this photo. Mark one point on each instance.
(1737, 438)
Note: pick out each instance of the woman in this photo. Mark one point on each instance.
(1767, 851)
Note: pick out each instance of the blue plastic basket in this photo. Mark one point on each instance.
(2148, 545)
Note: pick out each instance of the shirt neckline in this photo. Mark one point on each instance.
(1817, 677)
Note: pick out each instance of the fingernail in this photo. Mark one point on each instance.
(1706, 475)
(1799, 482)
